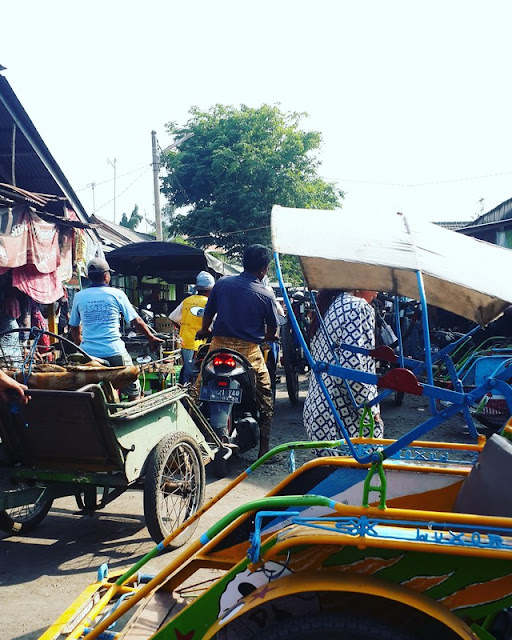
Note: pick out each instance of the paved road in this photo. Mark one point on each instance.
(43, 572)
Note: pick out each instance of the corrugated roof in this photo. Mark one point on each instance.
(453, 226)
(114, 235)
(35, 169)
(502, 212)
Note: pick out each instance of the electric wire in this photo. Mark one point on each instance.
(426, 184)
(124, 191)
(128, 173)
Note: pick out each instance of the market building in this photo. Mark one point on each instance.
(46, 237)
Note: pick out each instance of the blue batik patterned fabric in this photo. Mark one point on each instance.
(348, 320)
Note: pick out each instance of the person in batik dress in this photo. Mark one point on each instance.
(349, 319)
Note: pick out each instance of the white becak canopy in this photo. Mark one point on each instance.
(382, 253)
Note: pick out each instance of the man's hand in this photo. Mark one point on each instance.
(154, 341)
(9, 385)
(203, 334)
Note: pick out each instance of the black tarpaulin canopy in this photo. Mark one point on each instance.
(170, 261)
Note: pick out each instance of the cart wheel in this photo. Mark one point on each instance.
(173, 487)
(290, 363)
(19, 520)
(333, 626)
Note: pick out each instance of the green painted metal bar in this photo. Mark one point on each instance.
(269, 503)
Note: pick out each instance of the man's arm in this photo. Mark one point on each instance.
(9, 384)
(271, 320)
(76, 334)
(131, 316)
(75, 323)
(141, 327)
(204, 331)
(270, 333)
(177, 315)
(209, 313)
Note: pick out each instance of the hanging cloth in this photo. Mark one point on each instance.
(44, 288)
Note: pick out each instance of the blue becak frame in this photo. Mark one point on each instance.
(458, 399)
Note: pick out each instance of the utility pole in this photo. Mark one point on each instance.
(156, 174)
(156, 186)
(113, 164)
(92, 185)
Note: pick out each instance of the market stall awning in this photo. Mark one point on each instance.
(383, 252)
(170, 261)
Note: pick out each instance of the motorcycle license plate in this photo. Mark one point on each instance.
(233, 396)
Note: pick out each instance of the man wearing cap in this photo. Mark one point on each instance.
(188, 316)
(246, 315)
(94, 321)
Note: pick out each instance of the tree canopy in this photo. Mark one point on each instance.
(133, 221)
(235, 167)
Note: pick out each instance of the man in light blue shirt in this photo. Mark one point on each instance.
(94, 321)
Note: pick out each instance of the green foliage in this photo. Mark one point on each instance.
(133, 221)
(291, 270)
(237, 165)
(170, 227)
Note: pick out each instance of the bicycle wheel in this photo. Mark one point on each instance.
(290, 362)
(173, 487)
(20, 520)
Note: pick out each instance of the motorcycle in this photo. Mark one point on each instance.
(228, 401)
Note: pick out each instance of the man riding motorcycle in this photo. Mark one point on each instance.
(246, 316)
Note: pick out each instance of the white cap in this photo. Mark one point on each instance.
(205, 280)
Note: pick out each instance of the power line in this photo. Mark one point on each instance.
(125, 190)
(426, 184)
(128, 173)
(229, 233)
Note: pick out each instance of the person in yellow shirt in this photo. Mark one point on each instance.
(188, 316)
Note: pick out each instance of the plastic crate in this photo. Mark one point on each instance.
(163, 324)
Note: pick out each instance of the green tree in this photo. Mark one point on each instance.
(133, 221)
(238, 164)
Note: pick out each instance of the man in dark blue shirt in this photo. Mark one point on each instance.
(246, 315)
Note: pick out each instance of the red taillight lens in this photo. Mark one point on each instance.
(224, 360)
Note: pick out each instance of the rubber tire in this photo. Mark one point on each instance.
(183, 453)
(489, 424)
(289, 364)
(271, 368)
(20, 525)
(329, 626)
(398, 398)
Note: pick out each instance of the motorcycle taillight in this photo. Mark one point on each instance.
(224, 360)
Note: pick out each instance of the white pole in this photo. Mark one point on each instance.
(156, 186)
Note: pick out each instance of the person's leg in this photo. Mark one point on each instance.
(264, 394)
(265, 402)
(187, 356)
(133, 390)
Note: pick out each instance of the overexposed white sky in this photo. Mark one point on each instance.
(412, 98)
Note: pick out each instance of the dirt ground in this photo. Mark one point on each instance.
(43, 572)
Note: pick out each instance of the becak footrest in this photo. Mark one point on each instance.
(401, 380)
